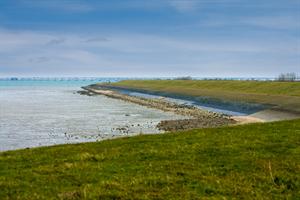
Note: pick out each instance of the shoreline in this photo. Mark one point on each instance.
(196, 118)
(231, 152)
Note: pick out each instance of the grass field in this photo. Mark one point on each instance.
(257, 161)
(283, 95)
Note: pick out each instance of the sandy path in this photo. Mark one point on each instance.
(268, 115)
(246, 119)
(275, 115)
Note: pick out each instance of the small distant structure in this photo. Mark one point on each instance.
(14, 79)
(287, 77)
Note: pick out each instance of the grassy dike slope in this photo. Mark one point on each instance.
(255, 161)
(285, 95)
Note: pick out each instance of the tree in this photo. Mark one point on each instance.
(287, 77)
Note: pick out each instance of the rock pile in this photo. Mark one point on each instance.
(197, 118)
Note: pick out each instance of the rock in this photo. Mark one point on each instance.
(198, 118)
(185, 124)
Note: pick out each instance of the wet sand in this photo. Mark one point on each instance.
(268, 115)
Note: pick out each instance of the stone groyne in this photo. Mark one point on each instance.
(196, 118)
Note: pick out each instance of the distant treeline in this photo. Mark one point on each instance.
(283, 77)
(290, 77)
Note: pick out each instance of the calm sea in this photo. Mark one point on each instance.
(48, 112)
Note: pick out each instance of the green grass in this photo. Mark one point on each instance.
(257, 161)
(253, 87)
(284, 95)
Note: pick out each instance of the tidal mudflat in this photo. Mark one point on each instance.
(42, 114)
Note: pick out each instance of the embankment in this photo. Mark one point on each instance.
(281, 96)
(196, 118)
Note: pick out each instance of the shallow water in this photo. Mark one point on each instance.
(42, 114)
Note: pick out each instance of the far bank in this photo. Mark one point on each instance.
(283, 97)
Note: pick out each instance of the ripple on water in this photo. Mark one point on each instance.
(42, 116)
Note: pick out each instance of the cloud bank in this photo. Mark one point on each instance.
(138, 54)
(149, 38)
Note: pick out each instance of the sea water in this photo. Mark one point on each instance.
(226, 107)
(43, 112)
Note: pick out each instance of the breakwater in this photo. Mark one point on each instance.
(196, 118)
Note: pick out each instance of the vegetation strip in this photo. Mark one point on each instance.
(256, 161)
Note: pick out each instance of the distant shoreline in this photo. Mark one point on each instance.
(197, 118)
(283, 96)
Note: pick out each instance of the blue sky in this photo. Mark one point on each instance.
(203, 38)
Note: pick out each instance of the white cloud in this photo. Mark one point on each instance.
(56, 41)
(25, 51)
(266, 22)
(184, 5)
(63, 5)
(276, 22)
(85, 6)
(135, 43)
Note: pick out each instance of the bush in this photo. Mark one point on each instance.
(287, 77)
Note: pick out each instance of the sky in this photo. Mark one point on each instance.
(149, 38)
